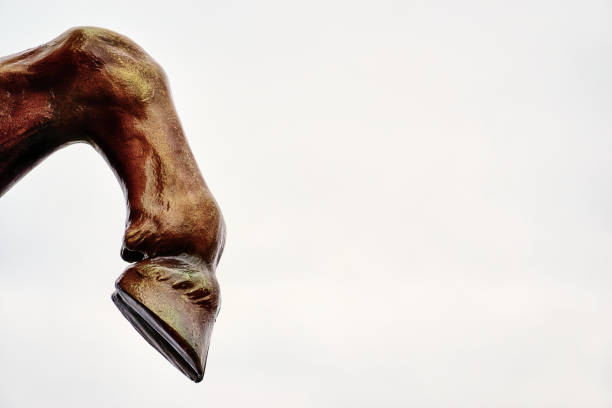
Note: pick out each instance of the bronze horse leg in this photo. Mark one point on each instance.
(95, 86)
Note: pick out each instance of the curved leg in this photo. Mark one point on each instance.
(96, 86)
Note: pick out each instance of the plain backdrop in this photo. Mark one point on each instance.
(418, 197)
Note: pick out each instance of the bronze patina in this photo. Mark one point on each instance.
(95, 86)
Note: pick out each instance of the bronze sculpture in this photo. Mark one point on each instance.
(95, 86)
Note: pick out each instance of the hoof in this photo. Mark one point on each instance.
(173, 303)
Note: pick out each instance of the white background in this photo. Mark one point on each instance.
(418, 197)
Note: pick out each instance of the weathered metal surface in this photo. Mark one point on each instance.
(95, 86)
